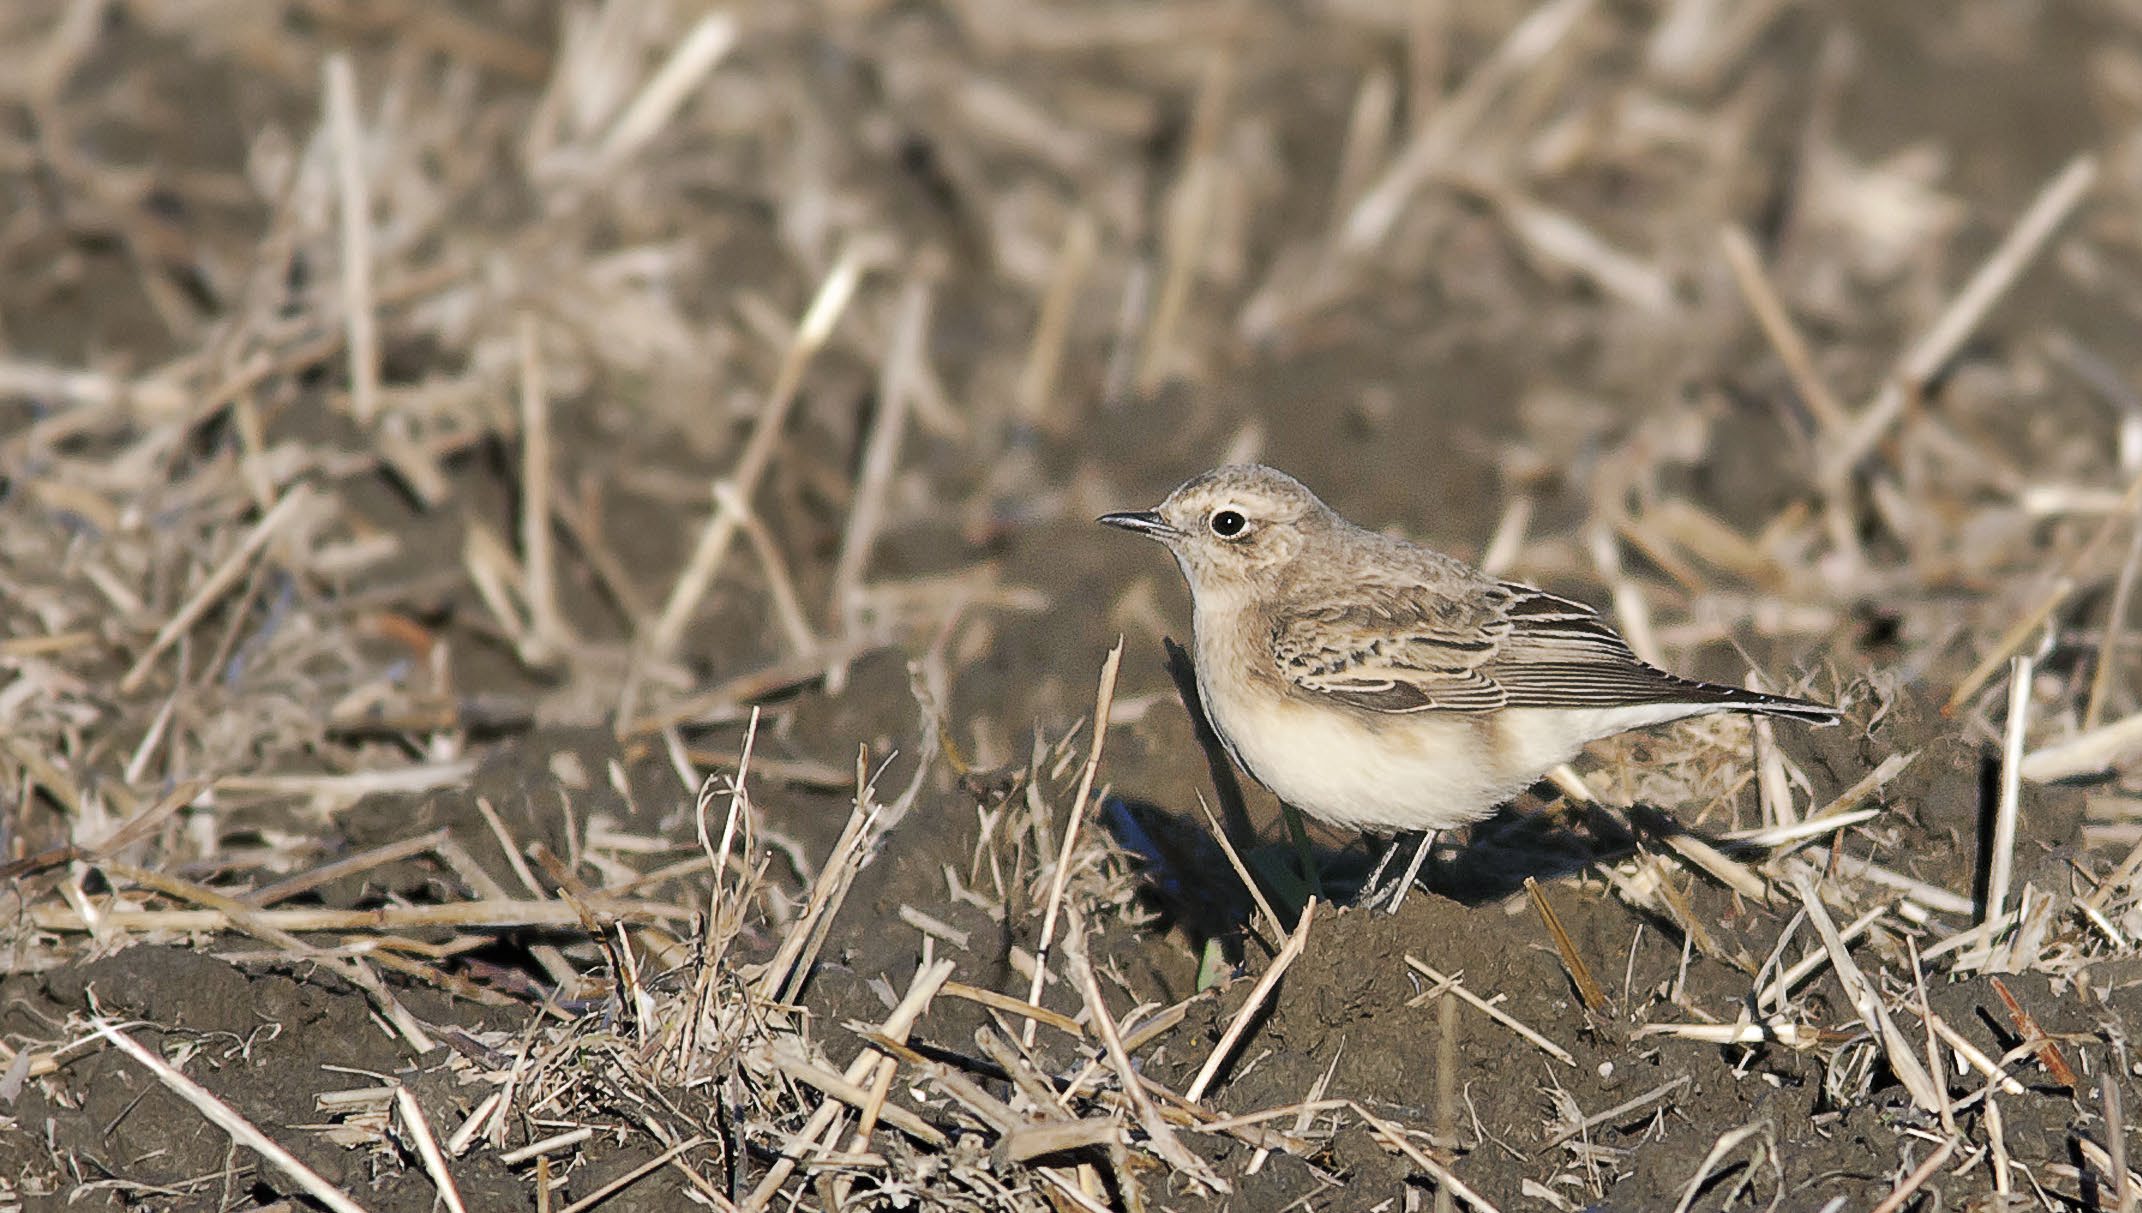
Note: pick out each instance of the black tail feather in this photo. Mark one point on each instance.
(1804, 710)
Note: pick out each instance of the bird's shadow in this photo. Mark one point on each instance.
(1189, 879)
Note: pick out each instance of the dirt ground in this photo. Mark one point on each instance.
(375, 699)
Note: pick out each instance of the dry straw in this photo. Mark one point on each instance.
(481, 337)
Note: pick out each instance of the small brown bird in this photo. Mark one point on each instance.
(1375, 684)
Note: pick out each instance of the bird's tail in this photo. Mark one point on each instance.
(1805, 710)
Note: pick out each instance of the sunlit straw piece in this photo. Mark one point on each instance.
(418, 1127)
(1618, 1111)
(486, 913)
(1580, 973)
(1053, 905)
(547, 1145)
(547, 633)
(895, 1028)
(1974, 1056)
(1870, 783)
(2009, 805)
(1719, 866)
(619, 1183)
(2101, 749)
(1779, 1031)
(1727, 1142)
(1444, 1177)
(721, 528)
(224, 1117)
(1561, 240)
(1631, 611)
(1187, 224)
(1253, 1004)
(786, 1056)
(1005, 1002)
(904, 355)
(217, 584)
(1242, 873)
(1800, 831)
(1773, 788)
(1160, 1135)
(1775, 990)
(340, 88)
(1493, 1012)
(2108, 645)
(696, 54)
(1368, 132)
(1784, 335)
(1933, 897)
(2054, 203)
(1508, 540)
(472, 1125)
(1918, 1178)
(1036, 390)
(2018, 633)
(1429, 151)
(1903, 1059)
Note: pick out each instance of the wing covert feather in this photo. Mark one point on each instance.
(1476, 647)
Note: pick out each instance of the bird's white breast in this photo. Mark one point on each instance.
(1433, 774)
(1426, 772)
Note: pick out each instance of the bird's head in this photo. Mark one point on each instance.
(1233, 526)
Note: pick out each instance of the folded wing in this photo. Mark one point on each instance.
(1478, 648)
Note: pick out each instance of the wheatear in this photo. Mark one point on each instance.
(1377, 685)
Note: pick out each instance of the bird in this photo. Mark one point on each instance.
(1380, 686)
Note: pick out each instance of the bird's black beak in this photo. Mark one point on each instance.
(1143, 522)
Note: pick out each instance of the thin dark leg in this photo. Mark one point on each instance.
(1413, 871)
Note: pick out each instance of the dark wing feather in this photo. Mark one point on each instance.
(1476, 647)
(1561, 654)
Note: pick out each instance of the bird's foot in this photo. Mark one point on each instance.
(1393, 894)
(1413, 872)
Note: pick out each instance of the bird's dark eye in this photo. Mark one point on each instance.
(1227, 523)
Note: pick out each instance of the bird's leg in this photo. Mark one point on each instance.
(1373, 886)
(1413, 870)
